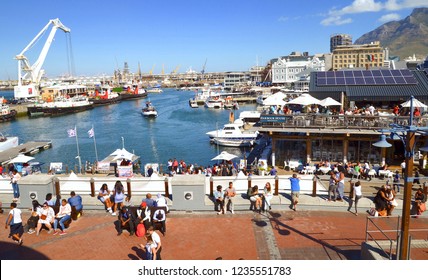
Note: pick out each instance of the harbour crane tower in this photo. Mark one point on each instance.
(29, 76)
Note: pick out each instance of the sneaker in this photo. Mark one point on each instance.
(233, 212)
(219, 212)
(55, 232)
(49, 231)
(20, 242)
(113, 214)
(31, 231)
(111, 211)
(63, 233)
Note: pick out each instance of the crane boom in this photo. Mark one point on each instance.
(32, 74)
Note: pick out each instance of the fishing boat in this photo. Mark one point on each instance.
(134, 91)
(7, 114)
(149, 111)
(104, 95)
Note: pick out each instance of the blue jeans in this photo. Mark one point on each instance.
(61, 222)
(15, 188)
(341, 190)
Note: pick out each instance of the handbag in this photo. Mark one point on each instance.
(422, 207)
(43, 217)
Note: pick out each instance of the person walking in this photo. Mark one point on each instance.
(295, 190)
(355, 194)
(229, 196)
(14, 220)
(14, 181)
(332, 187)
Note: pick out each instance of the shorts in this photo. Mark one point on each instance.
(294, 196)
(16, 229)
(45, 222)
(253, 198)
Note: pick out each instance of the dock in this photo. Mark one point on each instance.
(29, 149)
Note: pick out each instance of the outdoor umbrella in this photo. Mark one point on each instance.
(416, 103)
(21, 158)
(224, 156)
(304, 100)
(329, 102)
(275, 99)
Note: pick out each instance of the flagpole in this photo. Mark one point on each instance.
(95, 144)
(78, 153)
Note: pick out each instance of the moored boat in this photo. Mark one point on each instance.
(233, 135)
(214, 102)
(6, 113)
(60, 106)
(133, 92)
(7, 142)
(104, 95)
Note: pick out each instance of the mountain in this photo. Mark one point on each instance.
(403, 38)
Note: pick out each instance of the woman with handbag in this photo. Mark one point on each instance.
(46, 218)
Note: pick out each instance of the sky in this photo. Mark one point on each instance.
(222, 35)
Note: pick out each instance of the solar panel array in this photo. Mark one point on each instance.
(366, 77)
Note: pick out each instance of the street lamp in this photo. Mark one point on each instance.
(407, 134)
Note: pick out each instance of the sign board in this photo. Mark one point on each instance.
(103, 166)
(274, 118)
(125, 171)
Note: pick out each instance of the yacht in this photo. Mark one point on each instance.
(233, 135)
(214, 102)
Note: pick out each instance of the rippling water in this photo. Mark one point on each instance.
(177, 132)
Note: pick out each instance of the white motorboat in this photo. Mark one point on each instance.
(7, 142)
(214, 103)
(149, 110)
(154, 90)
(193, 103)
(233, 135)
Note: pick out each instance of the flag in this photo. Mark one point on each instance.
(91, 132)
(71, 132)
(370, 57)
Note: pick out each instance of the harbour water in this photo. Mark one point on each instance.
(178, 131)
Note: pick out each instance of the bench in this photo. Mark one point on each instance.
(153, 209)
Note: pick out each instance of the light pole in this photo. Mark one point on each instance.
(407, 134)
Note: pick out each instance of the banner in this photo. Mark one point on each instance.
(103, 166)
(125, 171)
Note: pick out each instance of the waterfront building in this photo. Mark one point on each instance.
(236, 79)
(339, 40)
(355, 56)
(286, 70)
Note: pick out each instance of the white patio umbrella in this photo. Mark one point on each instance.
(304, 100)
(329, 102)
(275, 99)
(416, 103)
(21, 158)
(224, 156)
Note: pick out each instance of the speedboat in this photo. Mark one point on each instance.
(7, 142)
(233, 135)
(149, 110)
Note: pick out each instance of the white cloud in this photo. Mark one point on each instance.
(389, 17)
(335, 16)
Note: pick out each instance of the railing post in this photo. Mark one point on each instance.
(211, 186)
(92, 182)
(425, 189)
(128, 186)
(249, 182)
(276, 185)
(166, 187)
(57, 186)
(314, 186)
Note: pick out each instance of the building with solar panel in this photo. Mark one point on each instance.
(327, 136)
(339, 40)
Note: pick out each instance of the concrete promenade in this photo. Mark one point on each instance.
(318, 230)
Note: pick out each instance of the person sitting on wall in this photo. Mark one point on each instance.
(76, 202)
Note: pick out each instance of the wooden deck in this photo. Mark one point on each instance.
(29, 149)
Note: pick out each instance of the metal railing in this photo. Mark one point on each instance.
(374, 228)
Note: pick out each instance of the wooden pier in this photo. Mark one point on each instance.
(29, 149)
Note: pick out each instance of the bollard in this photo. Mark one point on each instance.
(314, 187)
(211, 186)
(128, 187)
(166, 187)
(92, 182)
(276, 185)
(57, 186)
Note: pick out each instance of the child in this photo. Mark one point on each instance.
(396, 181)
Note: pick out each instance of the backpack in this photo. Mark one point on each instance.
(141, 230)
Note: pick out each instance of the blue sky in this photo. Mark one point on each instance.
(230, 35)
